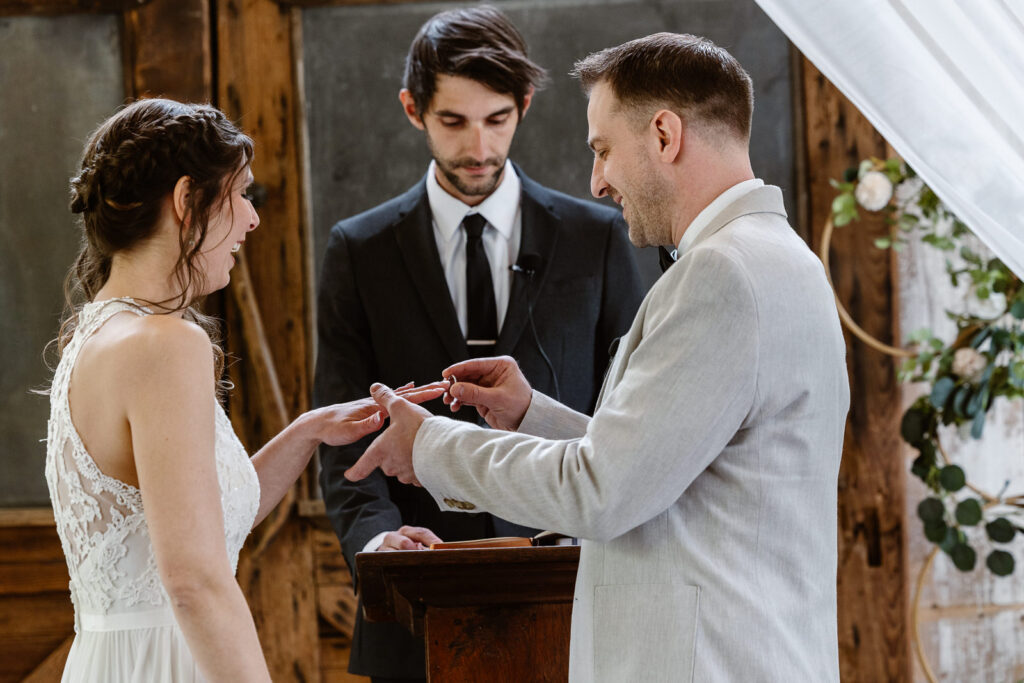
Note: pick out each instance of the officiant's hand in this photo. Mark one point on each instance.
(496, 387)
(409, 538)
(392, 450)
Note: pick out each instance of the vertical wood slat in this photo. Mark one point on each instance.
(167, 51)
(257, 87)
(872, 579)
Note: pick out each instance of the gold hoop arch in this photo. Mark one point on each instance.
(848, 321)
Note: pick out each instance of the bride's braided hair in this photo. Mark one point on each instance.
(130, 166)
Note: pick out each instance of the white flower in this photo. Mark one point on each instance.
(969, 364)
(908, 189)
(873, 191)
(991, 307)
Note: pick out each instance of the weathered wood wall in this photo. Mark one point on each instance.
(873, 635)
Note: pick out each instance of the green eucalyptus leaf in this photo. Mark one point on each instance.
(952, 478)
(1000, 562)
(1000, 530)
(979, 339)
(883, 242)
(921, 467)
(953, 537)
(975, 405)
(935, 531)
(964, 557)
(960, 399)
(844, 203)
(914, 425)
(978, 425)
(968, 512)
(941, 392)
(850, 174)
(931, 510)
(1017, 309)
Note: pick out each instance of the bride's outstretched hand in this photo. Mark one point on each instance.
(347, 422)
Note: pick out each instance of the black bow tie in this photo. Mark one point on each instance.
(666, 258)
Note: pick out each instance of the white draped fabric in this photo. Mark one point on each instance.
(943, 82)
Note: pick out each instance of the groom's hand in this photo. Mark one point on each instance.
(392, 450)
(496, 387)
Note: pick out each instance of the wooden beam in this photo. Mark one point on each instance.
(872, 582)
(347, 3)
(50, 8)
(51, 668)
(167, 53)
(257, 86)
(26, 517)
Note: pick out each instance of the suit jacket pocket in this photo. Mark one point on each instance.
(645, 632)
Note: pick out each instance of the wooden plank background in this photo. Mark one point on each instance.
(873, 636)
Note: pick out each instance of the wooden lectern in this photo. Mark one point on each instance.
(485, 614)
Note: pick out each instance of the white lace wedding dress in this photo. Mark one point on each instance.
(125, 628)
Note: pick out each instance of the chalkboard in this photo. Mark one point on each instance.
(59, 78)
(363, 150)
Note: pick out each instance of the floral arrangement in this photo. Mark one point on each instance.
(965, 375)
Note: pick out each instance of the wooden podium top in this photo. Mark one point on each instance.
(401, 585)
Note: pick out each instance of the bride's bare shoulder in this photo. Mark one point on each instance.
(154, 347)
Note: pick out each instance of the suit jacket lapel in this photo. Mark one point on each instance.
(416, 243)
(766, 199)
(539, 236)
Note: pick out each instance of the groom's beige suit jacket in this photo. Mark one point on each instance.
(705, 483)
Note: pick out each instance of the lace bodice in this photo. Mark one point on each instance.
(100, 520)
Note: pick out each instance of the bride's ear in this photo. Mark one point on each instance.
(180, 197)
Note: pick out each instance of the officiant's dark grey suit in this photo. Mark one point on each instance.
(385, 314)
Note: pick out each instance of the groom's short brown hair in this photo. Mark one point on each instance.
(688, 74)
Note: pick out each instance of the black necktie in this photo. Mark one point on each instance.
(482, 314)
(666, 258)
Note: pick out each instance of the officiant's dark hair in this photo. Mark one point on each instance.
(688, 74)
(473, 42)
(130, 165)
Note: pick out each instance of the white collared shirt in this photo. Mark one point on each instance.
(704, 218)
(501, 237)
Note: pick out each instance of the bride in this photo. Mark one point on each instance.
(152, 492)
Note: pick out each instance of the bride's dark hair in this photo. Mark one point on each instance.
(130, 165)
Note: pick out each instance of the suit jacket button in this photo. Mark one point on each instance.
(468, 506)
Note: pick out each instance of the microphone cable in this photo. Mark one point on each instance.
(528, 265)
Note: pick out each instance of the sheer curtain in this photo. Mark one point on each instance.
(943, 82)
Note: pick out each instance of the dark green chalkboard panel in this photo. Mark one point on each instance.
(59, 77)
(363, 150)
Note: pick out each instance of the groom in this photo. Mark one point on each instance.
(705, 483)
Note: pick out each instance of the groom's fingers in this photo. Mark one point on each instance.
(468, 394)
(384, 396)
(476, 368)
(369, 461)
